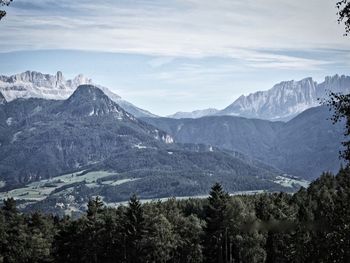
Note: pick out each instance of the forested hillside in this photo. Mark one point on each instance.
(310, 226)
(305, 146)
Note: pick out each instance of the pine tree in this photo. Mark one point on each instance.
(215, 230)
(15, 246)
(95, 206)
(134, 229)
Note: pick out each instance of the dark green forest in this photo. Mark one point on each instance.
(312, 225)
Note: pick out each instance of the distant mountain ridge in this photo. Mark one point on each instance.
(286, 99)
(32, 84)
(194, 114)
(282, 102)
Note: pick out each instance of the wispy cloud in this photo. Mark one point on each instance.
(171, 28)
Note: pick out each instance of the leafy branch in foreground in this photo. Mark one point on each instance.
(344, 14)
(340, 103)
(4, 3)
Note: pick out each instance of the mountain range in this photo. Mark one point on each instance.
(64, 151)
(194, 114)
(32, 84)
(280, 103)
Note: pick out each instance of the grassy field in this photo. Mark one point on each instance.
(37, 191)
(289, 182)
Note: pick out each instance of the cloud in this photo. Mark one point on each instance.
(160, 61)
(192, 28)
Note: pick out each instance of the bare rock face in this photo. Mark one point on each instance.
(286, 99)
(32, 84)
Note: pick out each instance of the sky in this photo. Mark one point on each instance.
(176, 55)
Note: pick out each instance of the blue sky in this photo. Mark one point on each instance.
(167, 56)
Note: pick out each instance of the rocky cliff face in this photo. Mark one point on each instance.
(286, 99)
(32, 84)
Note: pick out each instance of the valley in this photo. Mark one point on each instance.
(63, 189)
(57, 152)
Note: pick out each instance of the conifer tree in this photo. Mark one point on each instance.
(215, 229)
(134, 230)
(95, 206)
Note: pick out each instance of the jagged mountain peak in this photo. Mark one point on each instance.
(31, 76)
(46, 80)
(286, 99)
(80, 80)
(334, 78)
(292, 84)
(33, 84)
(334, 83)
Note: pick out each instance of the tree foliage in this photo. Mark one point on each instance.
(4, 3)
(309, 226)
(340, 104)
(344, 14)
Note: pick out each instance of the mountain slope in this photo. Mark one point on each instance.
(252, 137)
(305, 146)
(286, 99)
(2, 99)
(309, 144)
(31, 84)
(45, 138)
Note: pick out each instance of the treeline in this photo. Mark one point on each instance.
(312, 225)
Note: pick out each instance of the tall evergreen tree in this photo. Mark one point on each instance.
(95, 206)
(134, 230)
(215, 229)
